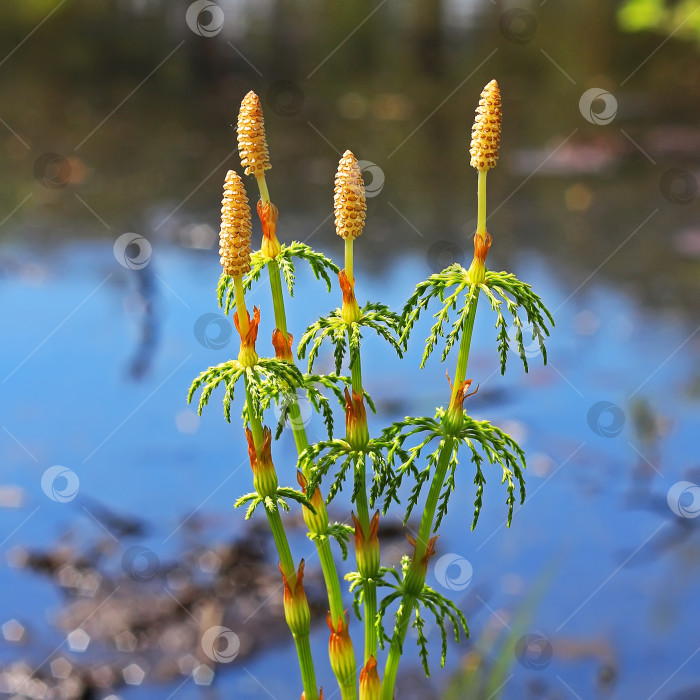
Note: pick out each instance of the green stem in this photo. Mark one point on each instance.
(417, 569)
(240, 304)
(284, 552)
(403, 618)
(255, 425)
(330, 572)
(465, 344)
(370, 590)
(356, 375)
(262, 186)
(306, 663)
(348, 259)
(279, 535)
(415, 576)
(371, 642)
(414, 579)
(277, 296)
(481, 198)
(361, 501)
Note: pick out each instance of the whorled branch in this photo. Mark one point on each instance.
(343, 334)
(451, 286)
(320, 265)
(484, 441)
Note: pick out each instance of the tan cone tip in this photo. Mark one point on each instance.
(349, 201)
(486, 132)
(234, 236)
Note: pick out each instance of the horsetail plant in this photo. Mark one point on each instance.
(252, 145)
(420, 450)
(234, 250)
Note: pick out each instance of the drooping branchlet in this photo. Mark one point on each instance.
(349, 200)
(234, 236)
(486, 132)
(252, 144)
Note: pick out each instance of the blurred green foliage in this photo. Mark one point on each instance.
(661, 16)
(141, 108)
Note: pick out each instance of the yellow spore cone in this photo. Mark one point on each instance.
(234, 236)
(486, 132)
(252, 144)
